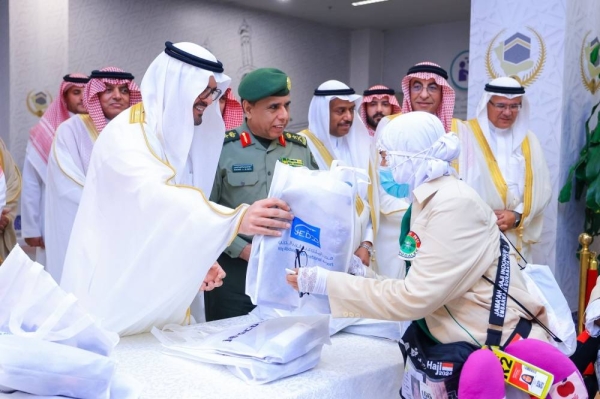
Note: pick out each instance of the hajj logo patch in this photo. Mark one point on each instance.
(303, 231)
(242, 167)
(292, 162)
(410, 245)
(38, 102)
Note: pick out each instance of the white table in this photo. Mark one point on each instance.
(352, 367)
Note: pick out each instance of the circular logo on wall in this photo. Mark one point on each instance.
(516, 55)
(37, 103)
(459, 70)
(589, 63)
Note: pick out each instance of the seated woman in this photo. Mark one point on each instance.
(450, 236)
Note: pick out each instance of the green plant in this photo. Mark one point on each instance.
(586, 173)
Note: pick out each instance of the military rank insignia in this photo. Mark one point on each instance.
(282, 141)
(245, 139)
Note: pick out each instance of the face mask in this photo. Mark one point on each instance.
(390, 186)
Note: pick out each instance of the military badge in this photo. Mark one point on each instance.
(245, 139)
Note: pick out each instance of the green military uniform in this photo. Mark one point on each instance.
(244, 175)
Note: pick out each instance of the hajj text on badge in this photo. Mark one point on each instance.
(242, 167)
(292, 162)
(410, 246)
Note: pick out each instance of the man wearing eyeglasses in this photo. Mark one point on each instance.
(108, 93)
(146, 237)
(245, 172)
(504, 162)
(425, 88)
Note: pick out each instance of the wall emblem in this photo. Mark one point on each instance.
(37, 103)
(459, 70)
(589, 63)
(514, 54)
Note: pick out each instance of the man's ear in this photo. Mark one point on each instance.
(247, 107)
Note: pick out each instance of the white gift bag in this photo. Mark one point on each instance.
(40, 367)
(321, 234)
(392, 330)
(33, 305)
(541, 283)
(258, 352)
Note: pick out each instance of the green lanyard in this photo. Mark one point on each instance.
(405, 244)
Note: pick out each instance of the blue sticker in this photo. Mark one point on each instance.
(305, 232)
(242, 167)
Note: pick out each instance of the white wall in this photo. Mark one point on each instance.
(4, 72)
(38, 60)
(439, 43)
(130, 34)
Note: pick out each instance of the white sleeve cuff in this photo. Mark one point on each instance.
(519, 208)
(592, 313)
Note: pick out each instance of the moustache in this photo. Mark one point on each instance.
(378, 115)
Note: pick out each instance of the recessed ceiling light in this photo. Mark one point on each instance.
(365, 2)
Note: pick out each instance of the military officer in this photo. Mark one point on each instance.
(245, 172)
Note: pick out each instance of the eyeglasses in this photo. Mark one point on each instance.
(215, 93)
(418, 87)
(298, 263)
(503, 107)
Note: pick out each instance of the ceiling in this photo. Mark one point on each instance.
(385, 15)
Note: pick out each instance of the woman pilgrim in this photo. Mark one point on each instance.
(452, 240)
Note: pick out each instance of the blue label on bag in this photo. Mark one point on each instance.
(305, 232)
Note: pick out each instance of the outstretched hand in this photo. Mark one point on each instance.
(266, 217)
(214, 278)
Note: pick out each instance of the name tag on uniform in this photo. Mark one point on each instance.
(292, 162)
(242, 167)
(524, 376)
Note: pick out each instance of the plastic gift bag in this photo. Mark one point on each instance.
(259, 352)
(34, 306)
(541, 283)
(321, 234)
(46, 368)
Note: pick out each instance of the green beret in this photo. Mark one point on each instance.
(264, 82)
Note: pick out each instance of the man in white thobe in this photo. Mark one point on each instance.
(504, 162)
(336, 132)
(108, 93)
(146, 238)
(68, 103)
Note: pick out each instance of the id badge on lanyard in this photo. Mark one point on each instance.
(524, 376)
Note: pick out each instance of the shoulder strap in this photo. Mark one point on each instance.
(499, 298)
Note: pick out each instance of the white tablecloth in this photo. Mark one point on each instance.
(352, 367)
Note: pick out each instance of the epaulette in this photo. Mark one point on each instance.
(231, 135)
(295, 138)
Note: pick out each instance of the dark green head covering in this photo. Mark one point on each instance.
(264, 82)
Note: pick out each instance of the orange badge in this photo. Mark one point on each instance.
(245, 139)
(282, 140)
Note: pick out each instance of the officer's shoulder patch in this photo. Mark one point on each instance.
(231, 135)
(295, 138)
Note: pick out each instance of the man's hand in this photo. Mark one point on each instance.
(4, 220)
(214, 278)
(245, 254)
(262, 218)
(506, 219)
(363, 254)
(35, 242)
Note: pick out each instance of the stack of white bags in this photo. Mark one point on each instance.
(258, 352)
(49, 345)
